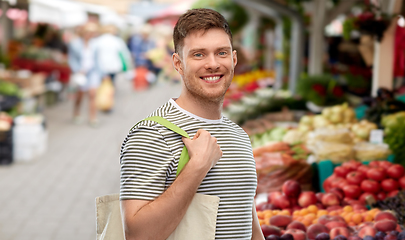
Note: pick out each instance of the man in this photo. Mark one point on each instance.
(221, 162)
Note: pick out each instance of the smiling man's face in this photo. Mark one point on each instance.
(206, 64)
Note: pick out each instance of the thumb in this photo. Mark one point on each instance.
(186, 141)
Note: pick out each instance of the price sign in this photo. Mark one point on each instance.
(377, 136)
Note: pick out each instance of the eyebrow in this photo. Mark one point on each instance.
(204, 49)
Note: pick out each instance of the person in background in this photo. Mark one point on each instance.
(139, 45)
(113, 55)
(84, 71)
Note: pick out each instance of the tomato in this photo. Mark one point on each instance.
(355, 177)
(395, 171)
(370, 186)
(377, 173)
(352, 191)
(341, 171)
(389, 185)
(401, 182)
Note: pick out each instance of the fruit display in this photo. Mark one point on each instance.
(278, 162)
(395, 203)
(309, 215)
(357, 181)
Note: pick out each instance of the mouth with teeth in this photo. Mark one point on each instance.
(212, 79)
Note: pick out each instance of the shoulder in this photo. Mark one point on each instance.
(163, 111)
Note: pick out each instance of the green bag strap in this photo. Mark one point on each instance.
(184, 157)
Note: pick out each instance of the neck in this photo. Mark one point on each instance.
(200, 107)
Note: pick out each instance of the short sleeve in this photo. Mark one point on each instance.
(145, 159)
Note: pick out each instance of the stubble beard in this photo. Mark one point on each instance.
(200, 95)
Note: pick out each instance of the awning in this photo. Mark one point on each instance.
(61, 13)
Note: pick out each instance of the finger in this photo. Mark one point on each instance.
(185, 140)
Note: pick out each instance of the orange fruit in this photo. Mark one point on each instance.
(348, 208)
(322, 212)
(348, 217)
(312, 208)
(284, 212)
(368, 218)
(296, 213)
(357, 218)
(306, 222)
(310, 216)
(304, 212)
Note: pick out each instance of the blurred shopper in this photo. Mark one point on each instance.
(85, 74)
(139, 45)
(113, 55)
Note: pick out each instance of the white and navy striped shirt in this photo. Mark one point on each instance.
(150, 155)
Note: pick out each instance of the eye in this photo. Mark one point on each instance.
(223, 53)
(198, 55)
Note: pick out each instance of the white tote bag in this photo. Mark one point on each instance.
(199, 220)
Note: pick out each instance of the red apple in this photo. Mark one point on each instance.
(270, 230)
(401, 182)
(319, 196)
(265, 206)
(297, 234)
(367, 230)
(370, 186)
(389, 185)
(291, 189)
(355, 177)
(352, 191)
(281, 202)
(273, 195)
(339, 192)
(358, 207)
(334, 208)
(341, 171)
(395, 171)
(377, 173)
(330, 199)
(307, 198)
(334, 232)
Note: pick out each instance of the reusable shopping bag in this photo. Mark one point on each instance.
(199, 220)
(105, 95)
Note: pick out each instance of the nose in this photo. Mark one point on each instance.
(211, 62)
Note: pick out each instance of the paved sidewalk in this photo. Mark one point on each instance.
(53, 197)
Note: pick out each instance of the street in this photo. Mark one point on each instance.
(53, 196)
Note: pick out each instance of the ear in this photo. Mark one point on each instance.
(235, 58)
(177, 63)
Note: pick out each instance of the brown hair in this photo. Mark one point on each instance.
(195, 20)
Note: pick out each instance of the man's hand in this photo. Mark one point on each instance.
(203, 149)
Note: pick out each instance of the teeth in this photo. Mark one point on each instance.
(211, 78)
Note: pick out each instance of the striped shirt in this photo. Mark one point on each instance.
(150, 155)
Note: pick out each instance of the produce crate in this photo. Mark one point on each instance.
(324, 169)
